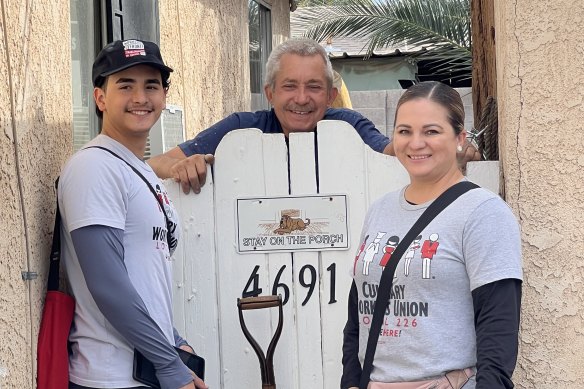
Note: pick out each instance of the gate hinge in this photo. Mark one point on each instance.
(29, 275)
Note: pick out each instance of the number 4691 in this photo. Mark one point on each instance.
(252, 288)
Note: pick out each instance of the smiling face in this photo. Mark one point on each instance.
(300, 94)
(425, 142)
(131, 101)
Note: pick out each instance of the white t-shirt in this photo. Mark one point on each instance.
(96, 188)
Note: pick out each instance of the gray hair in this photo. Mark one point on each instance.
(298, 46)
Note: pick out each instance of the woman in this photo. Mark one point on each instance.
(455, 309)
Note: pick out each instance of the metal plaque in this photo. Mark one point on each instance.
(292, 223)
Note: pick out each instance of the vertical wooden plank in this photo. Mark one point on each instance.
(239, 171)
(178, 266)
(195, 288)
(342, 168)
(280, 270)
(306, 268)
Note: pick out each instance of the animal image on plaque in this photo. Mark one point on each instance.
(289, 222)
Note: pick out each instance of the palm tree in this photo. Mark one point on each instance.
(311, 3)
(439, 29)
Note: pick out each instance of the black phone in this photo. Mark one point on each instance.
(145, 373)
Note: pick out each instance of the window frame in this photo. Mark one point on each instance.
(258, 98)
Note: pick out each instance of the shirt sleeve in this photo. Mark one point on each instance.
(351, 365)
(109, 186)
(497, 307)
(366, 130)
(206, 142)
(492, 244)
(100, 252)
(179, 340)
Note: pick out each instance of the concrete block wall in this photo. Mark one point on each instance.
(379, 106)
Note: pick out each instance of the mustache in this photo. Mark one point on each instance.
(300, 108)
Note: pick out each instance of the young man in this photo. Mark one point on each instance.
(116, 252)
(299, 86)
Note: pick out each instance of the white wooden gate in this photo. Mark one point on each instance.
(210, 274)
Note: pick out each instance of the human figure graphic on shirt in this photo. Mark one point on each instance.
(429, 249)
(410, 254)
(389, 248)
(159, 195)
(359, 254)
(370, 252)
(162, 195)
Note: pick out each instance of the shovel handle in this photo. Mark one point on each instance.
(266, 360)
(259, 302)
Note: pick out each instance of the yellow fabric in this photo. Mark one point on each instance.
(343, 100)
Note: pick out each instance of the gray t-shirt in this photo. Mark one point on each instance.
(428, 329)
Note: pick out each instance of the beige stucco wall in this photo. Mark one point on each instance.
(280, 21)
(206, 42)
(540, 83)
(35, 120)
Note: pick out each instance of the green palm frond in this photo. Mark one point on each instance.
(437, 30)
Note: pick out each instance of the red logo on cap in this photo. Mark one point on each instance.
(132, 53)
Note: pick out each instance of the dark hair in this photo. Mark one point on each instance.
(441, 94)
(101, 81)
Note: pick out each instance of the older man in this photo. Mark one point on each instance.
(299, 86)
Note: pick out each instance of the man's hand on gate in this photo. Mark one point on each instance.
(468, 153)
(191, 172)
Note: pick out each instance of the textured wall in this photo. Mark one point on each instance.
(540, 83)
(280, 21)
(35, 95)
(206, 42)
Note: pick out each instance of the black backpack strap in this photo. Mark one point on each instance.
(385, 283)
(168, 222)
(55, 256)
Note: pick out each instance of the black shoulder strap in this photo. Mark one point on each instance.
(385, 283)
(139, 175)
(55, 257)
(168, 222)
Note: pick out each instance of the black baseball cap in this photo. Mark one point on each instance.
(121, 55)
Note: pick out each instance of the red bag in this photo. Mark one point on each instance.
(52, 347)
(52, 351)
